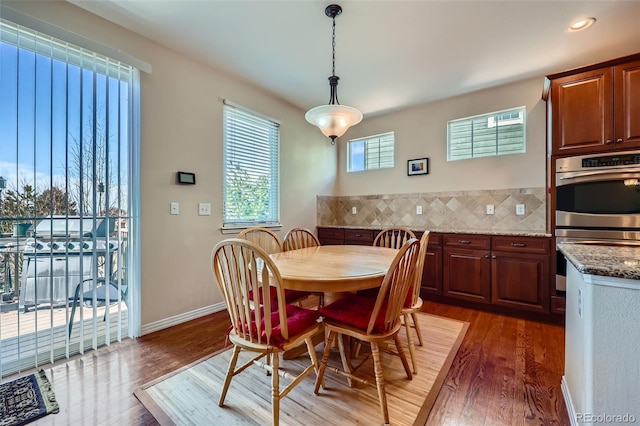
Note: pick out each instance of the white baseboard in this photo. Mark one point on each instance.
(179, 319)
(568, 403)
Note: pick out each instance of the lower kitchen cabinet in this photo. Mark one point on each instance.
(520, 281)
(490, 270)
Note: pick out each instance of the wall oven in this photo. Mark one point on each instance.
(597, 199)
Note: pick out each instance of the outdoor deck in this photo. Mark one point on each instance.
(44, 332)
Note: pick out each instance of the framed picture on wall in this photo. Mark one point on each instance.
(418, 166)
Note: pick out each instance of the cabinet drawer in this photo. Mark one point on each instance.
(435, 239)
(521, 244)
(331, 234)
(358, 236)
(469, 241)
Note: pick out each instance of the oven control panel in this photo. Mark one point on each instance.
(611, 160)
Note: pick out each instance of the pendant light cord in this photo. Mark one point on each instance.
(333, 45)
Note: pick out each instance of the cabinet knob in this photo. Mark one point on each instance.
(608, 142)
(486, 256)
(518, 245)
(493, 257)
(618, 140)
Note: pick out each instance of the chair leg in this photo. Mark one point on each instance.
(230, 371)
(275, 390)
(325, 358)
(382, 396)
(414, 316)
(412, 348)
(403, 356)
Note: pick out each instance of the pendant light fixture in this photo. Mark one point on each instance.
(334, 119)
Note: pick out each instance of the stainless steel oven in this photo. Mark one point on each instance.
(597, 201)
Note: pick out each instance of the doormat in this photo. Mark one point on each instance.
(26, 399)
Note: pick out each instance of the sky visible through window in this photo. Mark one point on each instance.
(62, 124)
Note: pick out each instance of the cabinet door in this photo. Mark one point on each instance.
(432, 274)
(331, 236)
(520, 281)
(627, 105)
(582, 112)
(466, 274)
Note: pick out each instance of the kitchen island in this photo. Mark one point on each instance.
(601, 382)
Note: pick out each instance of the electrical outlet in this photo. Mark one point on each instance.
(418, 209)
(520, 209)
(175, 208)
(354, 210)
(204, 209)
(490, 209)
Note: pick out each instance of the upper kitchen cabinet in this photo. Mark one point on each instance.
(595, 108)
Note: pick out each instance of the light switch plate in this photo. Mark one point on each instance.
(175, 208)
(520, 209)
(354, 210)
(491, 209)
(204, 209)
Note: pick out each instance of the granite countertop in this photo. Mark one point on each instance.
(507, 232)
(608, 261)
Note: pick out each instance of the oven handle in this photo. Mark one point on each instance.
(618, 173)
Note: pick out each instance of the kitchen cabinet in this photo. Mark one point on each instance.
(467, 267)
(361, 237)
(500, 270)
(331, 236)
(596, 108)
(520, 273)
(432, 274)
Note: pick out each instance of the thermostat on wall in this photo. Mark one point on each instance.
(187, 178)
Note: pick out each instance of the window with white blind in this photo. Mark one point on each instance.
(68, 142)
(496, 133)
(251, 156)
(371, 152)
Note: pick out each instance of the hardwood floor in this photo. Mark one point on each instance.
(507, 372)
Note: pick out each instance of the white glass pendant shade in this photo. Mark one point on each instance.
(333, 120)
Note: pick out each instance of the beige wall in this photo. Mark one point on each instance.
(422, 132)
(182, 130)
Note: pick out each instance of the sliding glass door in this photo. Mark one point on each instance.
(66, 144)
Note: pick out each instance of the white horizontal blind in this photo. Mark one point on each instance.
(496, 133)
(251, 168)
(371, 152)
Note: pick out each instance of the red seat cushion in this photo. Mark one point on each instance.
(355, 310)
(298, 320)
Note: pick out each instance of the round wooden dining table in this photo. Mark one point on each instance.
(334, 269)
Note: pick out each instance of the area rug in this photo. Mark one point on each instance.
(189, 396)
(26, 399)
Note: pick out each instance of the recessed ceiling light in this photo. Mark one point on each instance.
(581, 24)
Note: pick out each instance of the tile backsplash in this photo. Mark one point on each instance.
(440, 210)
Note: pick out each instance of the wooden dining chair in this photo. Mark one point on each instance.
(413, 303)
(393, 237)
(372, 321)
(299, 238)
(240, 268)
(269, 241)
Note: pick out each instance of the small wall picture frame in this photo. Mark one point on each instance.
(418, 166)
(186, 178)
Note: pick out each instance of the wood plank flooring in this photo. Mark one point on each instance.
(507, 372)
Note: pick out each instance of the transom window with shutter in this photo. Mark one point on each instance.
(251, 157)
(496, 133)
(371, 152)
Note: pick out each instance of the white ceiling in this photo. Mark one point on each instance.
(389, 54)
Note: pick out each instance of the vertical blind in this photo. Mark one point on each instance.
(250, 171)
(371, 152)
(65, 138)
